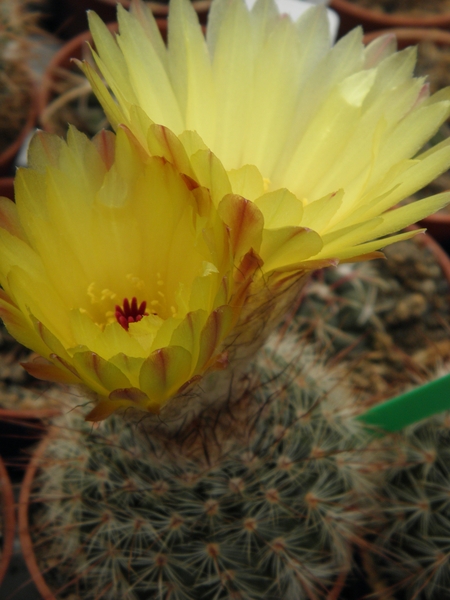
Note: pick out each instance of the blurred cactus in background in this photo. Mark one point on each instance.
(387, 320)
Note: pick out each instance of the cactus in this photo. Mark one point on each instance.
(412, 552)
(260, 499)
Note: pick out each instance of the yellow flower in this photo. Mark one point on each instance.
(139, 263)
(129, 276)
(340, 127)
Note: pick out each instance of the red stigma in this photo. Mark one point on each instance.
(130, 313)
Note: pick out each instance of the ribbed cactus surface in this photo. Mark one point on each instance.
(412, 553)
(258, 499)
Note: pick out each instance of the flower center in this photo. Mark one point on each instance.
(130, 313)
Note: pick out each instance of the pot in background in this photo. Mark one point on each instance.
(69, 17)
(352, 15)
(160, 9)
(7, 187)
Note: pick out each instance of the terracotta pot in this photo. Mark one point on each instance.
(442, 258)
(9, 154)
(438, 225)
(69, 17)
(410, 36)
(352, 15)
(20, 429)
(8, 519)
(23, 517)
(161, 9)
(7, 187)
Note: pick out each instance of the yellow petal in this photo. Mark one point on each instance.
(154, 94)
(214, 332)
(319, 214)
(162, 142)
(353, 252)
(110, 61)
(211, 174)
(19, 326)
(101, 375)
(113, 113)
(280, 209)
(247, 182)
(288, 245)
(164, 372)
(9, 219)
(245, 222)
(47, 371)
(190, 70)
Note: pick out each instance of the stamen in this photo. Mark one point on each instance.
(130, 313)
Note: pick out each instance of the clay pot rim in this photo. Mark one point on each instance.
(439, 217)
(20, 415)
(161, 8)
(9, 519)
(23, 521)
(388, 20)
(411, 36)
(442, 258)
(438, 226)
(5, 184)
(8, 155)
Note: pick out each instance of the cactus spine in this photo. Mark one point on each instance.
(412, 552)
(256, 500)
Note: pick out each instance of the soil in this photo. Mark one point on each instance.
(387, 321)
(409, 7)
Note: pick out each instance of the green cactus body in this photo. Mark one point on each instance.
(255, 500)
(413, 551)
